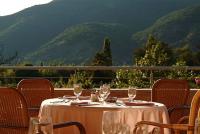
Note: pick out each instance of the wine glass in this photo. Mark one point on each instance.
(131, 93)
(197, 126)
(111, 122)
(104, 92)
(77, 91)
(125, 129)
(40, 126)
(106, 89)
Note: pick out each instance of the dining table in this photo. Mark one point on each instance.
(90, 113)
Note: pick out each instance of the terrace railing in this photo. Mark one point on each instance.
(13, 74)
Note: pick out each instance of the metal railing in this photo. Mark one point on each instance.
(113, 68)
(150, 69)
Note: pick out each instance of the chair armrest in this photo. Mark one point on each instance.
(169, 126)
(171, 109)
(183, 119)
(34, 108)
(70, 123)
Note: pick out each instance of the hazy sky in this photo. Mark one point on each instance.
(8, 7)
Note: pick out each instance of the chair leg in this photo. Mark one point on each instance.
(71, 123)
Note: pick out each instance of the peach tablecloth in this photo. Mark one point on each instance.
(91, 116)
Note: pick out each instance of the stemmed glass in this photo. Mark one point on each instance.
(104, 92)
(131, 93)
(197, 125)
(125, 129)
(111, 122)
(77, 91)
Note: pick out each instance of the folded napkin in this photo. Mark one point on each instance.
(74, 97)
(69, 97)
(84, 97)
(138, 103)
(84, 104)
(111, 99)
(79, 103)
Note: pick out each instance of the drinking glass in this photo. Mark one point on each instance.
(197, 126)
(111, 122)
(77, 91)
(38, 126)
(125, 129)
(104, 92)
(131, 93)
(106, 89)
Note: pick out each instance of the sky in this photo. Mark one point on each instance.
(8, 7)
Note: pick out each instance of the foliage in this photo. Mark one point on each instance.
(107, 52)
(6, 60)
(181, 73)
(27, 73)
(5, 79)
(156, 53)
(28, 30)
(126, 78)
(9, 72)
(176, 28)
(60, 83)
(104, 57)
(185, 54)
(84, 40)
(83, 77)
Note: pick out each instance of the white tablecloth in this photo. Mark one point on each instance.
(91, 116)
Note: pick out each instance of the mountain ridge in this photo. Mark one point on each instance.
(28, 30)
(177, 28)
(83, 33)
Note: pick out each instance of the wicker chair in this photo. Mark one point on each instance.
(174, 94)
(14, 117)
(34, 92)
(189, 127)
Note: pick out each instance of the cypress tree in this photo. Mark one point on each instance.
(107, 52)
(104, 57)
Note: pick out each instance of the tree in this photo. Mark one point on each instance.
(185, 54)
(6, 60)
(107, 52)
(138, 53)
(156, 53)
(104, 57)
(6, 72)
(197, 58)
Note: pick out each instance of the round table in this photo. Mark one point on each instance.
(91, 115)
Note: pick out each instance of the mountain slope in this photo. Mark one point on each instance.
(177, 28)
(28, 30)
(79, 43)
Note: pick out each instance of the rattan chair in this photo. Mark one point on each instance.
(189, 127)
(34, 92)
(174, 94)
(14, 117)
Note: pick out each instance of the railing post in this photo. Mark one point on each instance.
(151, 78)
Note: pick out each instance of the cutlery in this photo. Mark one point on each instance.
(59, 101)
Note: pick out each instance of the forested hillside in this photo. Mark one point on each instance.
(73, 30)
(177, 28)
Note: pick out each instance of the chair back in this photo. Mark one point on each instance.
(35, 91)
(173, 93)
(170, 92)
(195, 106)
(13, 112)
